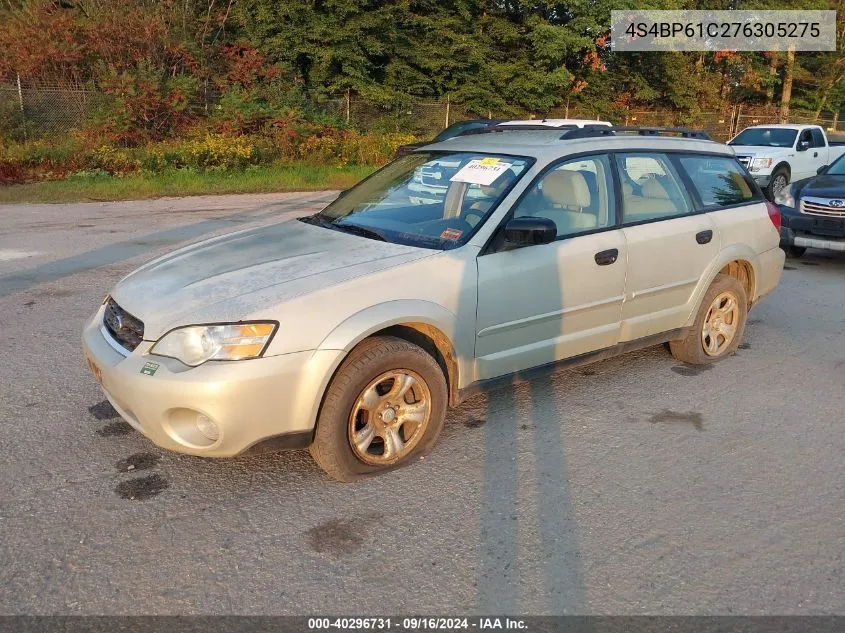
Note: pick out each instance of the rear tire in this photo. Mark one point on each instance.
(384, 409)
(719, 324)
(795, 252)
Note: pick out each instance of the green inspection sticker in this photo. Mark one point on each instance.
(149, 369)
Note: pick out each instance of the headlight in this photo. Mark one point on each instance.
(785, 198)
(196, 344)
(761, 163)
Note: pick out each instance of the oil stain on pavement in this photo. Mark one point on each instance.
(142, 488)
(339, 537)
(103, 410)
(138, 461)
(668, 416)
(115, 428)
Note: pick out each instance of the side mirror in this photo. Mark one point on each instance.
(822, 169)
(529, 231)
(803, 146)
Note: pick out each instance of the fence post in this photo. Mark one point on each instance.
(20, 104)
(447, 110)
(347, 106)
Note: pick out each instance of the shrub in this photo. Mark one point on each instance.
(288, 139)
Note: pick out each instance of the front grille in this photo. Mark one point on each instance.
(745, 161)
(831, 208)
(123, 327)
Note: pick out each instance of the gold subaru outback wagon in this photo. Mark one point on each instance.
(454, 269)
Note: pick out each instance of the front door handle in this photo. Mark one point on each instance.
(815, 154)
(704, 237)
(605, 258)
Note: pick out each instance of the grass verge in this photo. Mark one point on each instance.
(186, 182)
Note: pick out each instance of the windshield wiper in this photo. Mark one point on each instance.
(317, 219)
(357, 229)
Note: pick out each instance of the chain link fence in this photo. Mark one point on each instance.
(33, 112)
(43, 112)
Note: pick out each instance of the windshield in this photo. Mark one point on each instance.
(766, 136)
(838, 167)
(427, 199)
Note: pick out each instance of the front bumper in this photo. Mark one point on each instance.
(274, 398)
(763, 180)
(811, 231)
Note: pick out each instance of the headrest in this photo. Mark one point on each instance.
(499, 185)
(651, 188)
(567, 189)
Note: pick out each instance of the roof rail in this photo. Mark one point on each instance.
(597, 130)
(589, 131)
(503, 127)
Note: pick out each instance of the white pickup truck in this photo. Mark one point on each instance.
(779, 154)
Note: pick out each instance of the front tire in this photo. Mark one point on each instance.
(384, 409)
(779, 181)
(719, 325)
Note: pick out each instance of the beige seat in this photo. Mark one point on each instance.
(567, 195)
(653, 203)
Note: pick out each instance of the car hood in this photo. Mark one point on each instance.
(762, 151)
(825, 186)
(220, 279)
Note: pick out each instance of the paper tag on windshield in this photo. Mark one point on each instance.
(481, 171)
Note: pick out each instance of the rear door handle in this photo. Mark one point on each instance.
(704, 237)
(605, 258)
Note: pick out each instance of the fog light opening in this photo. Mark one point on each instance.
(207, 427)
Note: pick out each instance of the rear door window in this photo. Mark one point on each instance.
(818, 137)
(651, 188)
(719, 181)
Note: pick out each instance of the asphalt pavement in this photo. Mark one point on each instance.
(632, 486)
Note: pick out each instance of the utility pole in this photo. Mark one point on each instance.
(447, 110)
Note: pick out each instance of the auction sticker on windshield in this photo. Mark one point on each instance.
(481, 171)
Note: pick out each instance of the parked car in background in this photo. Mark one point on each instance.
(352, 331)
(777, 155)
(432, 180)
(453, 130)
(563, 124)
(814, 211)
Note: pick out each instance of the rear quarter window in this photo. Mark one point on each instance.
(719, 181)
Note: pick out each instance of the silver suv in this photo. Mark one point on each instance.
(351, 331)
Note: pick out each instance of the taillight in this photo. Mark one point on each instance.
(774, 214)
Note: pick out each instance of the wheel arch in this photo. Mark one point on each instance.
(783, 165)
(738, 261)
(425, 324)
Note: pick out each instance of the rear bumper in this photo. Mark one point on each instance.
(771, 268)
(271, 399)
